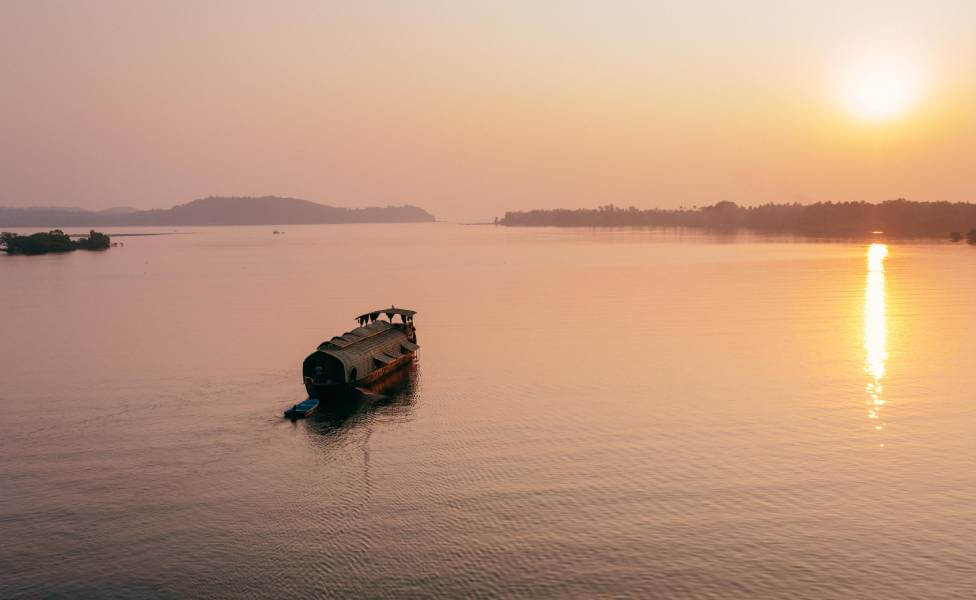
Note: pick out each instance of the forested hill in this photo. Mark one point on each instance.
(265, 210)
(894, 217)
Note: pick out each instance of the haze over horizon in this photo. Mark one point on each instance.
(469, 110)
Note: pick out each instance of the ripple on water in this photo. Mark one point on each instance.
(592, 415)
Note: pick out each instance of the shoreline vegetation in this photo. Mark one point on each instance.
(898, 218)
(215, 210)
(52, 241)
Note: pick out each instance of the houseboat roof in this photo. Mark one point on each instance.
(379, 340)
(389, 312)
(356, 335)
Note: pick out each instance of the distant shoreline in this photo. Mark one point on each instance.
(894, 218)
(216, 210)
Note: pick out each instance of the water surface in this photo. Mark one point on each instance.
(593, 413)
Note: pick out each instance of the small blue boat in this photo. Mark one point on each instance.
(302, 409)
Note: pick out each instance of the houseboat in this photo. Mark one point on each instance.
(361, 356)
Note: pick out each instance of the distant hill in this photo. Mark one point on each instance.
(216, 210)
(841, 219)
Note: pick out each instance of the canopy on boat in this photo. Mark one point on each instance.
(389, 312)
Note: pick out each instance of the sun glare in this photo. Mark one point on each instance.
(881, 89)
(875, 331)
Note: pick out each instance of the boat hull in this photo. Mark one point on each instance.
(336, 390)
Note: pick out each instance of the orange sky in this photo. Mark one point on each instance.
(473, 108)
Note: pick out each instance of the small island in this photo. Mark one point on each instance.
(52, 241)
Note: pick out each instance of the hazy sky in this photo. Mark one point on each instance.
(473, 108)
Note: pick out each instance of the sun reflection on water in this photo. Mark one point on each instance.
(875, 331)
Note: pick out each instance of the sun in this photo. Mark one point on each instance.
(880, 88)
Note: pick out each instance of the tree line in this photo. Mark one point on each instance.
(842, 219)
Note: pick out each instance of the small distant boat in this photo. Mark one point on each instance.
(302, 409)
(362, 356)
